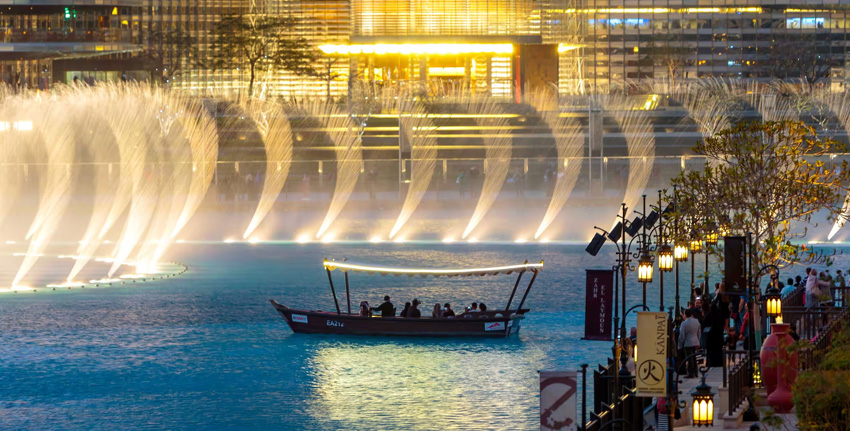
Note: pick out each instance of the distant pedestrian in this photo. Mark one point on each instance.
(461, 183)
(689, 340)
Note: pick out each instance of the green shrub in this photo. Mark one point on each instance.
(822, 400)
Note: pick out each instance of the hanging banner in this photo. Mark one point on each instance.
(558, 401)
(597, 310)
(650, 365)
(735, 264)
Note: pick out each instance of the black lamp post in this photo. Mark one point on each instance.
(695, 246)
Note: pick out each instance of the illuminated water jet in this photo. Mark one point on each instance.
(273, 126)
(416, 128)
(569, 142)
(497, 150)
(345, 135)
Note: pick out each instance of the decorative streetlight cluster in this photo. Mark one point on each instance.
(652, 240)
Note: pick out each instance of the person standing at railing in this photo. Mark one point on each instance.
(814, 288)
(690, 332)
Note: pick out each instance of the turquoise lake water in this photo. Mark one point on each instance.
(206, 351)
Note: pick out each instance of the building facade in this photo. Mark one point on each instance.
(495, 47)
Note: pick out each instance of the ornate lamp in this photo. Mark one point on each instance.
(695, 245)
(680, 252)
(712, 236)
(756, 374)
(665, 258)
(645, 268)
(773, 301)
(703, 414)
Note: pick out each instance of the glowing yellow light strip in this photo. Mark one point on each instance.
(563, 47)
(663, 10)
(409, 271)
(426, 48)
(446, 71)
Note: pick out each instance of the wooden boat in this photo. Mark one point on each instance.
(492, 323)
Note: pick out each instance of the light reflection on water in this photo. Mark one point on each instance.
(207, 351)
(443, 385)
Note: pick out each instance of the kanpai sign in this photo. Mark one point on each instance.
(650, 364)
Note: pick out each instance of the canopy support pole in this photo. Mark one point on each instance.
(333, 292)
(511, 299)
(527, 289)
(347, 295)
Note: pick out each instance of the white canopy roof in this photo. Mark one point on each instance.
(423, 272)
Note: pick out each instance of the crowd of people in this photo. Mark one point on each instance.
(411, 309)
(714, 322)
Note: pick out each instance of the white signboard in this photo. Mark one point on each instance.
(651, 364)
(558, 401)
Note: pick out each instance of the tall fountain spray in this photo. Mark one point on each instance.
(418, 129)
(103, 152)
(56, 177)
(273, 126)
(200, 131)
(345, 135)
(497, 154)
(640, 140)
(569, 142)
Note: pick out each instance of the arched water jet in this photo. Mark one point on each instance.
(497, 155)
(51, 123)
(145, 185)
(840, 105)
(345, 135)
(640, 141)
(200, 131)
(11, 157)
(418, 129)
(569, 142)
(273, 126)
(103, 151)
(175, 174)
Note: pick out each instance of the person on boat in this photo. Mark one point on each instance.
(473, 308)
(365, 311)
(438, 311)
(405, 310)
(447, 311)
(386, 309)
(414, 312)
(481, 307)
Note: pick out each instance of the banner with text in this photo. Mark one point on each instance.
(734, 262)
(597, 309)
(650, 364)
(558, 401)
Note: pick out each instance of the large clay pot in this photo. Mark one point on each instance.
(770, 358)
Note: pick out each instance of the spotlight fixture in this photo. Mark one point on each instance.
(634, 226)
(651, 219)
(595, 244)
(615, 233)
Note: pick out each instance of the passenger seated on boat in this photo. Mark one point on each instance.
(438, 311)
(404, 311)
(447, 311)
(482, 308)
(365, 311)
(386, 309)
(471, 309)
(414, 309)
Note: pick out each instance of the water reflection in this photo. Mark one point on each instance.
(455, 384)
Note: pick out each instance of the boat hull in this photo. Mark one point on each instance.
(318, 322)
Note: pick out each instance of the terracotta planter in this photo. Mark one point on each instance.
(770, 359)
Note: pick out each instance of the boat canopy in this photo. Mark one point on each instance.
(423, 272)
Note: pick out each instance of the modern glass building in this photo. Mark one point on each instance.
(61, 41)
(495, 47)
